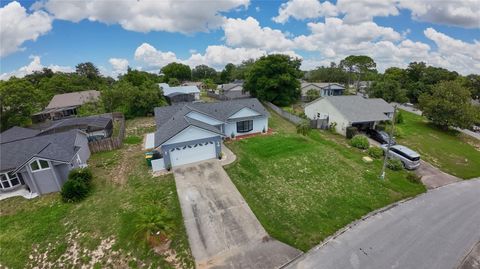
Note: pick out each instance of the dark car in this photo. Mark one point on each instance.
(380, 136)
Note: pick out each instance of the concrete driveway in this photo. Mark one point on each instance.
(432, 177)
(222, 230)
(434, 230)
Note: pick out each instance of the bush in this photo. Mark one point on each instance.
(359, 141)
(412, 177)
(375, 152)
(82, 174)
(351, 132)
(395, 164)
(399, 117)
(75, 190)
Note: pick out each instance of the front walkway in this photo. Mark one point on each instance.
(222, 230)
(23, 192)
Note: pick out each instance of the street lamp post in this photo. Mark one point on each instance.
(382, 175)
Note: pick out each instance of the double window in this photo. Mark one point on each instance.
(9, 180)
(244, 126)
(39, 165)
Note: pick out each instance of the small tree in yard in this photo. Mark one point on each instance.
(303, 127)
(78, 185)
(449, 104)
(312, 94)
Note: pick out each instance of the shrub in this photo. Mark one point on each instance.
(395, 164)
(74, 190)
(303, 127)
(375, 152)
(351, 132)
(332, 127)
(399, 117)
(359, 141)
(412, 177)
(82, 174)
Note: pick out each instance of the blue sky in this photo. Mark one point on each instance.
(60, 34)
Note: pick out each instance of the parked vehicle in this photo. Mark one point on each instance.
(380, 136)
(409, 157)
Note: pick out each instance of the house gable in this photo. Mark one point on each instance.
(203, 118)
(190, 133)
(244, 113)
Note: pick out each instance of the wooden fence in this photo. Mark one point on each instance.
(315, 124)
(113, 142)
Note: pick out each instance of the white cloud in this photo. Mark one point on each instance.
(146, 16)
(17, 26)
(304, 9)
(119, 65)
(248, 33)
(152, 57)
(34, 65)
(357, 11)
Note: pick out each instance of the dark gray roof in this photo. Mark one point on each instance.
(90, 123)
(17, 133)
(171, 120)
(59, 147)
(358, 109)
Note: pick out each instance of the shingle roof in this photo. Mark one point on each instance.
(17, 133)
(172, 91)
(90, 122)
(171, 119)
(59, 146)
(358, 109)
(322, 84)
(73, 99)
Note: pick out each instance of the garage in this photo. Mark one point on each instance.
(192, 153)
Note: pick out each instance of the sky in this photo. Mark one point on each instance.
(148, 34)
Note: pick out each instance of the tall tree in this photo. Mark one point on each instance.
(226, 75)
(358, 65)
(274, 78)
(201, 72)
(18, 102)
(88, 70)
(449, 104)
(179, 71)
(388, 89)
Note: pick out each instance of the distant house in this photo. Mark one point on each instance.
(193, 132)
(323, 89)
(232, 91)
(350, 110)
(39, 162)
(65, 105)
(197, 84)
(180, 94)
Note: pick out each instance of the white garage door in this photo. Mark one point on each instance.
(192, 153)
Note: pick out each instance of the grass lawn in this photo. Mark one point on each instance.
(102, 231)
(451, 151)
(303, 189)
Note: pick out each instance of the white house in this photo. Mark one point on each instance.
(193, 132)
(350, 110)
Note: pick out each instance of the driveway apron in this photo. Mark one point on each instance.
(222, 230)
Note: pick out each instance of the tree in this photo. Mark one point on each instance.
(274, 78)
(201, 72)
(88, 70)
(226, 75)
(209, 84)
(312, 94)
(137, 78)
(303, 127)
(179, 71)
(172, 82)
(359, 65)
(333, 73)
(449, 104)
(389, 90)
(18, 102)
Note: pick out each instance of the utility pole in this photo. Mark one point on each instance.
(390, 136)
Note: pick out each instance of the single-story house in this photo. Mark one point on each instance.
(96, 127)
(193, 132)
(65, 105)
(323, 89)
(180, 94)
(197, 84)
(350, 110)
(232, 91)
(40, 163)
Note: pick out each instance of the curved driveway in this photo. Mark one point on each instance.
(434, 230)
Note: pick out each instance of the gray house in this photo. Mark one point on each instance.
(39, 163)
(323, 89)
(96, 127)
(232, 91)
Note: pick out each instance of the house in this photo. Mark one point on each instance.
(232, 91)
(350, 110)
(65, 105)
(323, 89)
(39, 162)
(96, 127)
(193, 132)
(198, 84)
(180, 94)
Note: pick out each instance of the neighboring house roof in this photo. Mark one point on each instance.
(173, 91)
(58, 147)
(17, 133)
(322, 85)
(192, 83)
(91, 122)
(358, 109)
(232, 86)
(170, 120)
(73, 99)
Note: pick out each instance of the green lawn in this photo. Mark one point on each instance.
(111, 213)
(303, 189)
(451, 151)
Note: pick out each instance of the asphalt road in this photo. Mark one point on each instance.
(434, 230)
(222, 230)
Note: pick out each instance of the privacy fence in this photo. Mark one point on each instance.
(113, 142)
(315, 124)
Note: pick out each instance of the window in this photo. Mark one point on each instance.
(9, 180)
(244, 126)
(39, 165)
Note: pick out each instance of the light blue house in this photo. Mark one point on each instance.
(193, 132)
